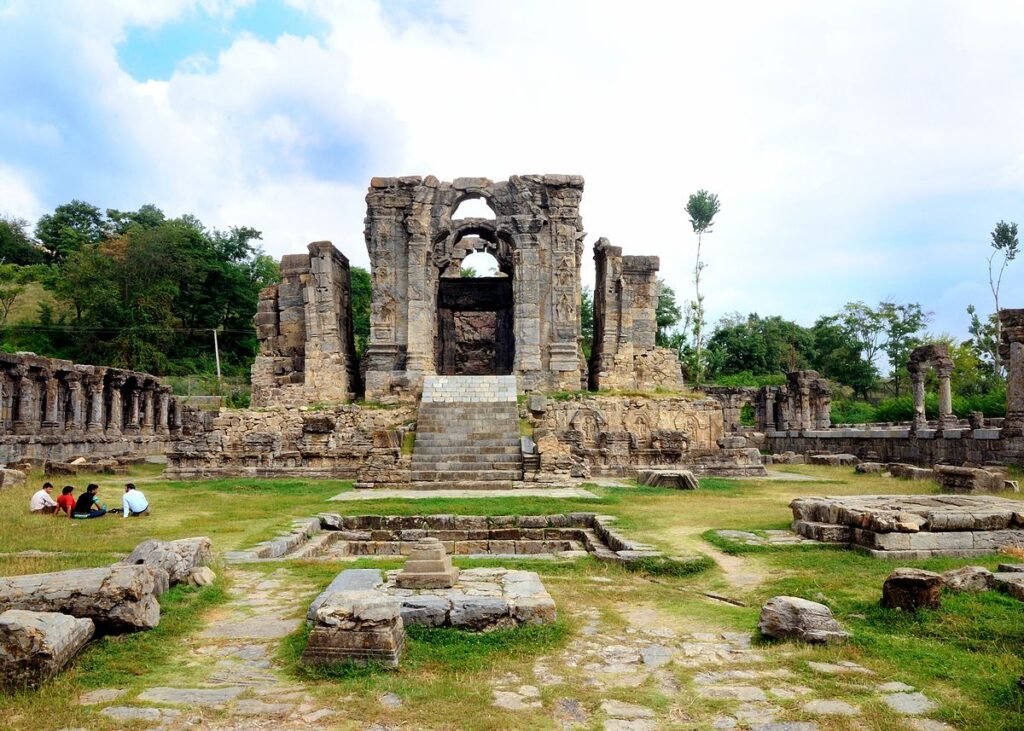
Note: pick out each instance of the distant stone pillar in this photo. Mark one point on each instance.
(917, 384)
(163, 399)
(131, 425)
(6, 401)
(116, 419)
(51, 421)
(75, 418)
(1011, 349)
(946, 418)
(147, 407)
(94, 391)
(177, 417)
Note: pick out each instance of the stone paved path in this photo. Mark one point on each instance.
(235, 684)
(722, 667)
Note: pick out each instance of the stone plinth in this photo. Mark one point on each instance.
(116, 598)
(428, 567)
(360, 626)
(35, 646)
(970, 479)
(912, 526)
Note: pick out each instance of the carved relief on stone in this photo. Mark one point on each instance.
(589, 422)
(565, 310)
(566, 274)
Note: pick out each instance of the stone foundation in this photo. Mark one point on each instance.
(912, 526)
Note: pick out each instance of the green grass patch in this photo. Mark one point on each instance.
(665, 566)
(408, 442)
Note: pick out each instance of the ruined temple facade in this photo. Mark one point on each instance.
(304, 325)
(624, 355)
(423, 313)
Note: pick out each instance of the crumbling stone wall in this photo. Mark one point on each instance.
(624, 355)
(53, 410)
(537, 238)
(733, 399)
(616, 435)
(339, 441)
(1011, 350)
(804, 402)
(304, 325)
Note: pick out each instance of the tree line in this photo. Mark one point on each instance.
(133, 289)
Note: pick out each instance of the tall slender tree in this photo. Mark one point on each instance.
(1004, 243)
(702, 208)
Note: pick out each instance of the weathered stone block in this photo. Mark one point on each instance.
(968, 579)
(117, 598)
(788, 617)
(912, 589)
(480, 612)
(35, 646)
(356, 626)
(177, 558)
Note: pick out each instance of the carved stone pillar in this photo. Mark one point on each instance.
(94, 394)
(163, 399)
(131, 425)
(177, 417)
(28, 420)
(6, 401)
(148, 407)
(917, 385)
(51, 387)
(116, 417)
(1011, 349)
(74, 419)
(946, 418)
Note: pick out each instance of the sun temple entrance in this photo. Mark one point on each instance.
(475, 333)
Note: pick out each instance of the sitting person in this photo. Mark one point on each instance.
(66, 501)
(41, 502)
(134, 503)
(87, 505)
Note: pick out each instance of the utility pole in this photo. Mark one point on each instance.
(216, 353)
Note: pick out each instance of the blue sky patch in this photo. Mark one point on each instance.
(155, 53)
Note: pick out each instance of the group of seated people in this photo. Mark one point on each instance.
(87, 504)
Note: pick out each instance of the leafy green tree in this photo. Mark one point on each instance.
(667, 313)
(70, 227)
(758, 345)
(587, 321)
(148, 216)
(839, 355)
(984, 338)
(361, 289)
(702, 207)
(903, 323)
(11, 288)
(16, 246)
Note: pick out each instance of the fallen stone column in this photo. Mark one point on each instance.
(356, 626)
(35, 646)
(117, 598)
(177, 558)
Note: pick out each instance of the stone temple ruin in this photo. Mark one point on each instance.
(451, 356)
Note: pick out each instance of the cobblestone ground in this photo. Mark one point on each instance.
(672, 678)
(236, 685)
(721, 672)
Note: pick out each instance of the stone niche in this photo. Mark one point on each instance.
(304, 325)
(422, 318)
(624, 356)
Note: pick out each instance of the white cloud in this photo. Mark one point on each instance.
(16, 196)
(820, 126)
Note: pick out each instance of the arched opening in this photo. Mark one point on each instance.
(473, 207)
(475, 334)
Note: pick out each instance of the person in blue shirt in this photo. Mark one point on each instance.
(134, 503)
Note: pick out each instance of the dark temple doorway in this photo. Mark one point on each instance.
(475, 335)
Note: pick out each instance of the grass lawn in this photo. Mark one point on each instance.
(966, 656)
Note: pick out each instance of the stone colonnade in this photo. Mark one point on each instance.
(805, 402)
(47, 396)
(936, 355)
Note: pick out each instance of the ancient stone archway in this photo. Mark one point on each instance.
(937, 356)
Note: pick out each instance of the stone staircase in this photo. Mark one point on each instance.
(467, 434)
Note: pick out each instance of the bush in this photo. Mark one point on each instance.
(853, 412)
(748, 379)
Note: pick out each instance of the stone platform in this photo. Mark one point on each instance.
(912, 526)
(481, 599)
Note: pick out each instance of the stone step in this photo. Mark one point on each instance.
(445, 449)
(470, 485)
(493, 461)
(465, 466)
(464, 475)
(437, 439)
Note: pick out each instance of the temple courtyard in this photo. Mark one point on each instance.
(669, 641)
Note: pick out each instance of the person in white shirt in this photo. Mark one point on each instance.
(134, 503)
(41, 502)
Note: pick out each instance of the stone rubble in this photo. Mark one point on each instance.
(788, 617)
(912, 589)
(177, 558)
(35, 646)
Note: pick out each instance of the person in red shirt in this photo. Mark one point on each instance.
(66, 501)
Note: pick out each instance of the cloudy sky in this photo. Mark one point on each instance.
(861, 150)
